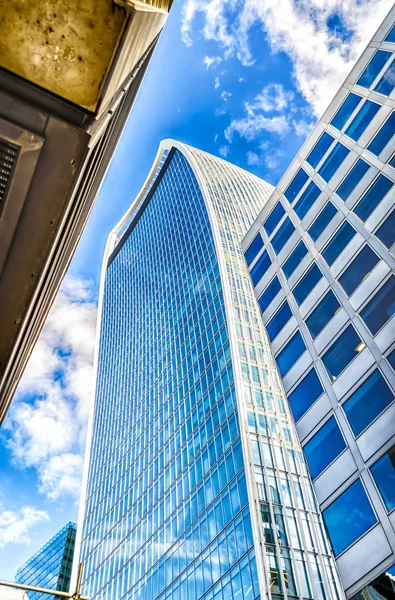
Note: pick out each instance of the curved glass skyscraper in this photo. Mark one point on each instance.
(196, 486)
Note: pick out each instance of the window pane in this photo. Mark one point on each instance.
(321, 315)
(323, 447)
(383, 472)
(337, 244)
(391, 359)
(319, 149)
(307, 200)
(333, 162)
(352, 179)
(345, 111)
(293, 261)
(253, 249)
(373, 197)
(373, 69)
(382, 138)
(386, 232)
(260, 267)
(296, 185)
(387, 82)
(362, 119)
(358, 270)
(322, 221)
(367, 402)
(281, 317)
(381, 307)
(305, 394)
(391, 36)
(382, 587)
(274, 218)
(392, 162)
(307, 284)
(290, 354)
(282, 236)
(269, 294)
(348, 517)
(342, 352)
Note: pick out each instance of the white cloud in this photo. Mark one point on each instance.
(216, 83)
(302, 127)
(216, 138)
(15, 526)
(273, 97)
(219, 112)
(212, 61)
(241, 79)
(252, 158)
(225, 95)
(224, 151)
(47, 419)
(250, 127)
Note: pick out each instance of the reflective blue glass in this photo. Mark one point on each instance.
(359, 269)
(381, 307)
(293, 261)
(373, 69)
(322, 221)
(337, 244)
(307, 200)
(348, 517)
(279, 320)
(386, 231)
(387, 82)
(307, 284)
(290, 353)
(319, 149)
(384, 135)
(372, 198)
(345, 111)
(352, 179)
(333, 162)
(305, 394)
(367, 402)
(362, 119)
(253, 249)
(383, 472)
(342, 352)
(322, 314)
(391, 359)
(260, 267)
(296, 185)
(392, 162)
(274, 218)
(269, 294)
(282, 236)
(382, 587)
(324, 447)
(391, 36)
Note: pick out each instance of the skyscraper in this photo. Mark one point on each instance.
(50, 567)
(196, 486)
(321, 258)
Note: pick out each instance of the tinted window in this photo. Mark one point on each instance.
(297, 255)
(282, 236)
(290, 354)
(392, 162)
(323, 447)
(305, 394)
(273, 219)
(391, 359)
(306, 284)
(333, 161)
(260, 267)
(253, 249)
(269, 294)
(280, 319)
(296, 185)
(384, 475)
(386, 232)
(337, 244)
(373, 197)
(391, 36)
(382, 138)
(348, 517)
(373, 69)
(307, 200)
(345, 111)
(381, 307)
(369, 400)
(342, 352)
(319, 149)
(352, 179)
(382, 587)
(362, 119)
(358, 270)
(322, 221)
(321, 315)
(387, 82)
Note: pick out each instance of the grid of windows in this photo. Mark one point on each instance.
(320, 149)
(342, 352)
(305, 394)
(386, 231)
(269, 294)
(333, 162)
(362, 119)
(373, 69)
(294, 259)
(372, 198)
(322, 314)
(307, 284)
(353, 178)
(381, 307)
(322, 221)
(382, 138)
(324, 447)
(345, 111)
(358, 270)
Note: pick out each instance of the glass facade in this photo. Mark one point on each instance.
(51, 566)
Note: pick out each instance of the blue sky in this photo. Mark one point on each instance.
(242, 79)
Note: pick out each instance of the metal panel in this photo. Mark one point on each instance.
(333, 477)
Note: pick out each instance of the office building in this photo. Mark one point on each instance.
(50, 567)
(196, 485)
(321, 259)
